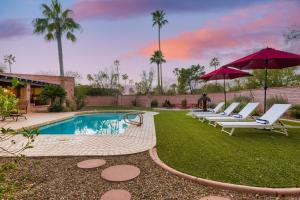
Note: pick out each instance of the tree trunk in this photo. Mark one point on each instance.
(60, 54)
(158, 79)
(160, 67)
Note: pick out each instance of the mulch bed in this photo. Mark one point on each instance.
(60, 178)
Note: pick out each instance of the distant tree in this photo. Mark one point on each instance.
(276, 78)
(172, 89)
(125, 78)
(158, 58)
(145, 85)
(117, 64)
(187, 78)
(9, 59)
(2, 68)
(158, 19)
(214, 63)
(76, 75)
(292, 35)
(55, 23)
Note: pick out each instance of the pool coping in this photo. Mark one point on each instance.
(73, 115)
(131, 142)
(221, 185)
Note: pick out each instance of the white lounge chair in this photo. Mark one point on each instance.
(267, 121)
(226, 112)
(215, 110)
(242, 115)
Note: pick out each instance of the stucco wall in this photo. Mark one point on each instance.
(68, 82)
(291, 93)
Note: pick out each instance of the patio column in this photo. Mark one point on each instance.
(27, 94)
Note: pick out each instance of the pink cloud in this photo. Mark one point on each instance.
(11, 28)
(247, 28)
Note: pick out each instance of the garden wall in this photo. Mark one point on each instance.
(291, 93)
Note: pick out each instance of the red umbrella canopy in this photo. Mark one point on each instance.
(276, 60)
(224, 73)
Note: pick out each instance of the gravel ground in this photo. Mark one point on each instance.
(59, 178)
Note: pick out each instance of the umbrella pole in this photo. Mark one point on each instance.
(266, 85)
(224, 91)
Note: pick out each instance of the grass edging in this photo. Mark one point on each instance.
(222, 185)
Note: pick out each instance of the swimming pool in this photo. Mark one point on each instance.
(89, 124)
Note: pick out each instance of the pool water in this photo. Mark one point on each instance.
(89, 124)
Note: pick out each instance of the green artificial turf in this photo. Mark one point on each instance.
(249, 157)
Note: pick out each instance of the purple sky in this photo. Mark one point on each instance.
(122, 29)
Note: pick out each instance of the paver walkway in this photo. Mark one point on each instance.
(133, 140)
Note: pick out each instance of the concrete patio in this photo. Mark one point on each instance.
(133, 140)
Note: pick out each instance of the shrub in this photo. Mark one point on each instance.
(56, 94)
(167, 104)
(277, 99)
(101, 91)
(55, 107)
(210, 88)
(154, 103)
(184, 103)
(295, 111)
(134, 103)
(8, 102)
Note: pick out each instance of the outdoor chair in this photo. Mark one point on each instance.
(270, 121)
(198, 111)
(22, 108)
(227, 112)
(242, 115)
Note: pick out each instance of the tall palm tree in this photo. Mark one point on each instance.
(158, 19)
(214, 63)
(9, 59)
(158, 59)
(54, 25)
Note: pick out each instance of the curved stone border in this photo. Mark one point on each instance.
(221, 185)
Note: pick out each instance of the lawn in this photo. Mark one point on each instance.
(249, 157)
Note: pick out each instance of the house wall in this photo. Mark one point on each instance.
(69, 82)
(291, 93)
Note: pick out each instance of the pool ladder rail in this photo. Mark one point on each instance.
(136, 123)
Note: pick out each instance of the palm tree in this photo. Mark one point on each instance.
(158, 19)
(55, 23)
(9, 59)
(158, 58)
(125, 77)
(214, 63)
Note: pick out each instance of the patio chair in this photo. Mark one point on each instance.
(22, 108)
(226, 112)
(270, 121)
(242, 115)
(215, 110)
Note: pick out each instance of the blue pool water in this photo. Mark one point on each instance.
(89, 124)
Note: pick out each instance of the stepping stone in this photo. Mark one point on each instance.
(120, 173)
(116, 195)
(92, 163)
(213, 198)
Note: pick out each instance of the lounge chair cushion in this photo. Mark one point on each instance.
(238, 116)
(262, 121)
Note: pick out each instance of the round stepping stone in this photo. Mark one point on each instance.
(120, 173)
(92, 163)
(214, 198)
(116, 195)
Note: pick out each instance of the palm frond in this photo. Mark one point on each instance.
(49, 36)
(71, 36)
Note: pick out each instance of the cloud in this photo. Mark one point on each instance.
(247, 28)
(12, 28)
(118, 9)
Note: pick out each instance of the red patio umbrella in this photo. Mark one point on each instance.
(267, 58)
(224, 73)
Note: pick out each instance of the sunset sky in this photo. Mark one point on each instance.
(122, 29)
